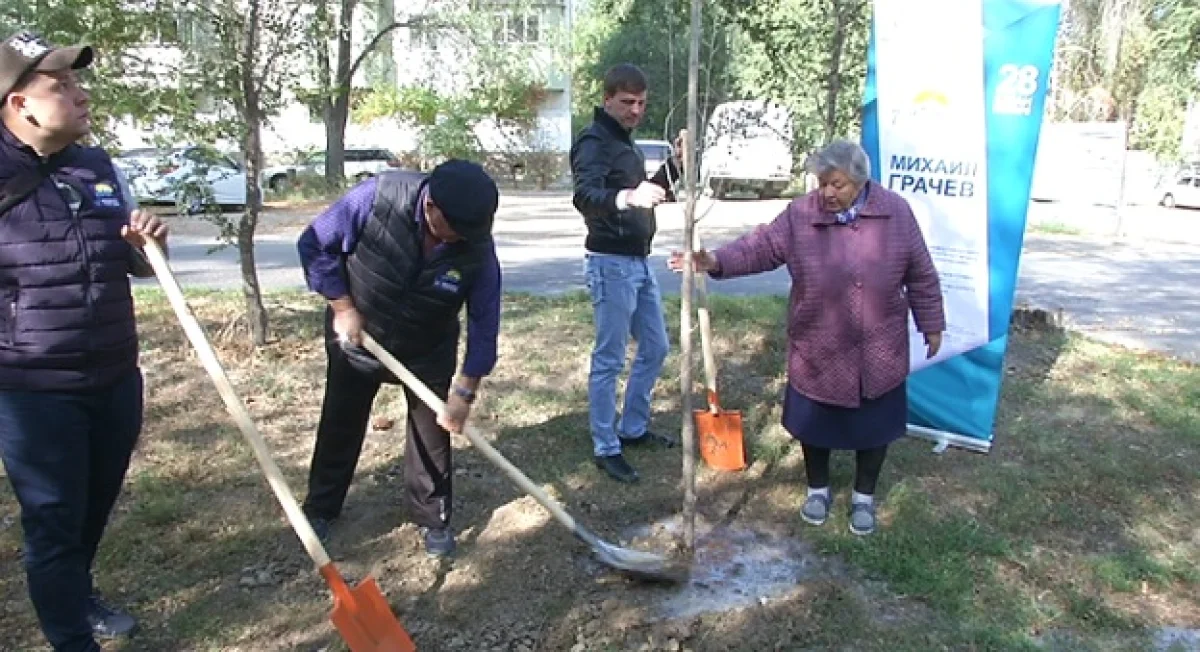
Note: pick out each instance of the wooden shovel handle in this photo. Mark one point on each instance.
(706, 344)
(482, 445)
(236, 408)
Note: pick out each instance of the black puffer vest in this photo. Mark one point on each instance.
(411, 305)
(66, 313)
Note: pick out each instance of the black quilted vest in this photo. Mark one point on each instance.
(66, 313)
(411, 305)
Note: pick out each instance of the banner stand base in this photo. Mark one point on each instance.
(944, 440)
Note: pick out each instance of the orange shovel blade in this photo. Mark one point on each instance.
(363, 618)
(722, 444)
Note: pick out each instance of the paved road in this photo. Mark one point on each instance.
(1140, 294)
(1135, 291)
(1139, 222)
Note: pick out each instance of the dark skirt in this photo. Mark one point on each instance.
(874, 423)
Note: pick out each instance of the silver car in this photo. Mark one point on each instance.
(191, 177)
(359, 163)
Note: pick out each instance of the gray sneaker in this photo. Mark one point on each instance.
(439, 541)
(108, 622)
(862, 519)
(815, 509)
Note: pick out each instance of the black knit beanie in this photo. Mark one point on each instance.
(467, 197)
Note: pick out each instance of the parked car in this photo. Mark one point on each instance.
(656, 152)
(360, 163)
(1185, 192)
(191, 177)
(748, 145)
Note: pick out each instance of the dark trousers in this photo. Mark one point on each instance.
(349, 393)
(867, 465)
(66, 454)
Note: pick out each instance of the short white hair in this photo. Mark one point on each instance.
(843, 155)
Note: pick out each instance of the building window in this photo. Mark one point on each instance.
(517, 28)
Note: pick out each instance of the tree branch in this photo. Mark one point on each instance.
(371, 45)
(282, 38)
(203, 8)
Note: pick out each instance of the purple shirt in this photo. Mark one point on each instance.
(334, 234)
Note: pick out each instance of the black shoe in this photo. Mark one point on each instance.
(108, 622)
(321, 526)
(617, 468)
(652, 439)
(439, 541)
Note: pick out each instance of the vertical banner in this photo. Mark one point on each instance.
(952, 112)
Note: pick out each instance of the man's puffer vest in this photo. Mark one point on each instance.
(66, 312)
(411, 305)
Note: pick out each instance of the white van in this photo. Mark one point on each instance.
(748, 146)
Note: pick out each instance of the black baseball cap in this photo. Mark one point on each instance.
(25, 52)
(467, 197)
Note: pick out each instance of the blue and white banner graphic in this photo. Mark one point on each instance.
(952, 112)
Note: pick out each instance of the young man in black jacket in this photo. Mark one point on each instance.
(617, 203)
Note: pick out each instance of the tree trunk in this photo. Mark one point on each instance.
(338, 80)
(704, 108)
(335, 141)
(325, 80)
(688, 429)
(670, 15)
(835, 69)
(339, 109)
(252, 146)
(251, 290)
(1112, 33)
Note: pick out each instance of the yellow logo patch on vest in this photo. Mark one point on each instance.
(450, 281)
(106, 195)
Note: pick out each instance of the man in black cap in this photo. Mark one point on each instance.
(399, 256)
(70, 389)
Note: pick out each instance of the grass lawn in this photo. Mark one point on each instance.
(1078, 532)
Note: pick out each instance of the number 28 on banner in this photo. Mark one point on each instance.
(1014, 93)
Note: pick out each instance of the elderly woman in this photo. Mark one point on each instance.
(858, 264)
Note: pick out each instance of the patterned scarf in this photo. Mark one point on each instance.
(849, 215)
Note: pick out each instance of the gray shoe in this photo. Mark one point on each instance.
(862, 519)
(107, 621)
(439, 541)
(815, 509)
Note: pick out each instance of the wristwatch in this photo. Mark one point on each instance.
(464, 393)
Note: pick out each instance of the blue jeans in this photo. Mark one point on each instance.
(66, 454)
(625, 301)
